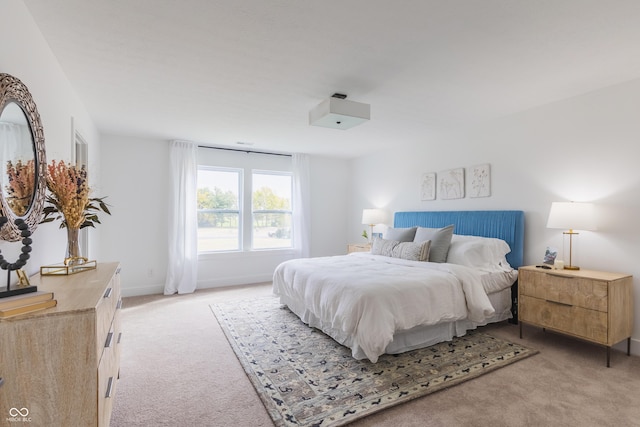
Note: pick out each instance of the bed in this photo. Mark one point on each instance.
(391, 301)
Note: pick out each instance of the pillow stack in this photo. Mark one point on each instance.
(441, 245)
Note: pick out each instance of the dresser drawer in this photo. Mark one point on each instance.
(570, 319)
(105, 311)
(108, 372)
(565, 289)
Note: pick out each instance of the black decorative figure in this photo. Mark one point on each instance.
(20, 262)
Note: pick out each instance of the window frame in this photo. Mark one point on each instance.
(239, 210)
(290, 211)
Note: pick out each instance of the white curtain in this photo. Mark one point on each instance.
(182, 268)
(301, 205)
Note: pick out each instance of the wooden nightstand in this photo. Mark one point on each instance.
(595, 306)
(358, 247)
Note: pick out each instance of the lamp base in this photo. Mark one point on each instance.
(571, 267)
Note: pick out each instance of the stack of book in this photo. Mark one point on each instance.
(26, 303)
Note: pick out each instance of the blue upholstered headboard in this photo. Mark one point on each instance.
(505, 225)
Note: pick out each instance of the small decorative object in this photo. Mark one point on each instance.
(451, 184)
(428, 186)
(365, 235)
(480, 181)
(22, 287)
(550, 256)
(69, 202)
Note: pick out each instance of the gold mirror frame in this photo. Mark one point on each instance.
(13, 90)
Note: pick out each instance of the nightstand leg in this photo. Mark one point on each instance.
(629, 346)
(608, 356)
(520, 330)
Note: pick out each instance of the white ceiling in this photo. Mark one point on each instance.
(219, 72)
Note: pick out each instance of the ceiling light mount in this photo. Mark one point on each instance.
(338, 113)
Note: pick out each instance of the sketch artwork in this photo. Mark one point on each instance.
(451, 184)
(428, 186)
(480, 176)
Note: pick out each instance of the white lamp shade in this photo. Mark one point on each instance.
(572, 216)
(373, 216)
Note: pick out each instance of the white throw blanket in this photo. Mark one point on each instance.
(363, 299)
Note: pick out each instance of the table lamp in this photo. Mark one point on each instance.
(571, 216)
(372, 217)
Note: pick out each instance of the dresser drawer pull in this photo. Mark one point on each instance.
(559, 303)
(107, 294)
(107, 343)
(109, 388)
(119, 305)
(119, 338)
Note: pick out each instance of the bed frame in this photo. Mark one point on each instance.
(507, 225)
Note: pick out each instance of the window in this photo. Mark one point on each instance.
(271, 210)
(219, 209)
(241, 209)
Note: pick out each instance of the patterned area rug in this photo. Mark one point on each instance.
(305, 378)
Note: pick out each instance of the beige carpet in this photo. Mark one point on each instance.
(178, 369)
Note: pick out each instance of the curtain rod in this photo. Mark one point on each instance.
(244, 151)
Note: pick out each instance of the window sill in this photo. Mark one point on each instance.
(256, 253)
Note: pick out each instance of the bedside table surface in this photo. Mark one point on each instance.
(584, 273)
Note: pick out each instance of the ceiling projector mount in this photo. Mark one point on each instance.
(338, 113)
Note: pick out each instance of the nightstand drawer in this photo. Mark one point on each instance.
(565, 289)
(566, 318)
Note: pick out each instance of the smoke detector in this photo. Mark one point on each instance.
(339, 113)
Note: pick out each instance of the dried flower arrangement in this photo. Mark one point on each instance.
(69, 198)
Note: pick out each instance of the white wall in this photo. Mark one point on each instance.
(581, 149)
(26, 55)
(135, 178)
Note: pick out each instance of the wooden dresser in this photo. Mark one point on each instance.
(62, 363)
(592, 305)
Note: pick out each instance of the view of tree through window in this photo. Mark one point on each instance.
(271, 207)
(219, 214)
(220, 210)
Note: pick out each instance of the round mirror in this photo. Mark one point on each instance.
(22, 158)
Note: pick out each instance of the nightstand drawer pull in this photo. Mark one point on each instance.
(564, 276)
(107, 294)
(559, 303)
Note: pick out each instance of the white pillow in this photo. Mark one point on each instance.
(483, 253)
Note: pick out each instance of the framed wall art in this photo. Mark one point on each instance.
(451, 184)
(480, 180)
(428, 186)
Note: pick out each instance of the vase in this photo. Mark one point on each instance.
(74, 256)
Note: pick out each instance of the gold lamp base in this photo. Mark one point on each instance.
(571, 267)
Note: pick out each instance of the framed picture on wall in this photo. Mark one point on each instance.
(480, 180)
(451, 184)
(428, 186)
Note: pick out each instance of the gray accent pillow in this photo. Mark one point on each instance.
(400, 234)
(412, 251)
(383, 247)
(405, 250)
(440, 241)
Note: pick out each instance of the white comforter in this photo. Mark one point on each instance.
(362, 299)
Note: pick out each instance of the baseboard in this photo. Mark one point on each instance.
(142, 290)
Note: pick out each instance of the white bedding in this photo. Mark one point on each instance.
(362, 300)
